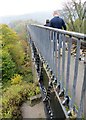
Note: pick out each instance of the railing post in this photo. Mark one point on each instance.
(63, 62)
(55, 54)
(53, 50)
(75, 73)
(59, 47)
(83, 96)
(68, 64)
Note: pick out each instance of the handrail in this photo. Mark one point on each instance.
(70, 33)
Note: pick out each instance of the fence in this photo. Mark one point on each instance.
(56, 48)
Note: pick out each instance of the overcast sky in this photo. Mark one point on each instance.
(17, 7)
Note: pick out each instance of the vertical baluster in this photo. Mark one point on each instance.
(68, 64)
(83, 97)
(35, 31)
(48, 47)
(39, 40)
(75, 74)
(58, 76)
(54, 51)
(44, 45)
(49, 38)
(39, 37)
(51, 48)
(63, 62)
(44, 37)
(55, 70)
(41, 43)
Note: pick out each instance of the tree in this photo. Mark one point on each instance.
(11, 42)
(8, 66)
(15, 54)
(74, 14)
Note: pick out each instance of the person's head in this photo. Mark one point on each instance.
(55, 13)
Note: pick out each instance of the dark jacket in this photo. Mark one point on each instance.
(57, 22)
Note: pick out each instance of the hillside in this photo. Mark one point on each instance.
(38, 16)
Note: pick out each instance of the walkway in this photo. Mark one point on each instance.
(36, 111)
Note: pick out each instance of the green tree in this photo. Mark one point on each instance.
(8, 35)
(11, 42)
(8, 66)
(74, 14)
(17, 53)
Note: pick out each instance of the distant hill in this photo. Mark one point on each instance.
(38, 16)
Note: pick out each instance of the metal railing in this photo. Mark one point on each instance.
(55, 46)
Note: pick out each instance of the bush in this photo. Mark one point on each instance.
(17, 53)
(16, 79)
(37, 90)
(14, 96)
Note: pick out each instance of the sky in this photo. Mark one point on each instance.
(18, 7)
